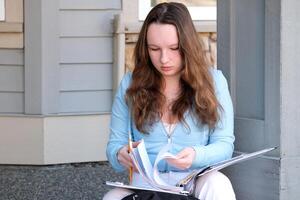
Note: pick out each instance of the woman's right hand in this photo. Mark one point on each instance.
(124, 158)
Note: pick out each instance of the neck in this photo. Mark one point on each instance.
(172, 84)
(172, 89)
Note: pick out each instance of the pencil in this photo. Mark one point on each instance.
(129, 150)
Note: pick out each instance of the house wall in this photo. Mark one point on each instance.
(86, 55)
(11, 81)
(56, 92)
(11, 59)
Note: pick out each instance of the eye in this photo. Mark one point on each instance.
(153, 49)
(175, 48)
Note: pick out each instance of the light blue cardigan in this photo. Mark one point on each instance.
(211, 146)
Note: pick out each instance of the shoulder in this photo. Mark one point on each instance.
(219, 79)
(125, 82)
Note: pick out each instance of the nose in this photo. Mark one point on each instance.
(164, 57)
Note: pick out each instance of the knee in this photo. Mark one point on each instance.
(108, 195)
(117, 194)
(217, 180)
(214, 185)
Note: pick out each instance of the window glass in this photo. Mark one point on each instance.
(199, 9)
(2, 10)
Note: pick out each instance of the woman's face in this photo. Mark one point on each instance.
(163, 49)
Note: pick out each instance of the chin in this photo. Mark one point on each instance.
(171, 74)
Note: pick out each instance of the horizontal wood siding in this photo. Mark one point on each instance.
(11, 81)
(11, 57)
(86, 50)
(11, 78)
(11, 102)
(86, 55)
(86, 22)
(86, 101)
(11, 30)
(76, 77)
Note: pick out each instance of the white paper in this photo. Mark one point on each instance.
(151, 174)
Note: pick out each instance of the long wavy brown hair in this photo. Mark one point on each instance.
(144, 95)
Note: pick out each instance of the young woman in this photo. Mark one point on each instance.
(173, 96)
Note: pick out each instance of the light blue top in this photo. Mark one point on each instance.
(211, 146)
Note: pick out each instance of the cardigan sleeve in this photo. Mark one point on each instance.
(118, 125)
(220, 144)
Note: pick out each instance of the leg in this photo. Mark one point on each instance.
(117, 194)
(214, 186)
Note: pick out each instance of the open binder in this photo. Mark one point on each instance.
(186, 185)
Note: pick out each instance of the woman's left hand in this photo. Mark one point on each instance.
(183, 159)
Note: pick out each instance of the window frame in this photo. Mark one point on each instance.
(2, 10)
(198, 13)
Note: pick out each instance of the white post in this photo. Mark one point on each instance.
(119, 51)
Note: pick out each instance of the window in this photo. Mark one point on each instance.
(199, 9)
(2, 10)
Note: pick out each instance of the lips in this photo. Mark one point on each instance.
(166, 68)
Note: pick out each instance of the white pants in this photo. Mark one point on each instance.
(212, 186)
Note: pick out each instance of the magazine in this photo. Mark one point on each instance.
(153, 177)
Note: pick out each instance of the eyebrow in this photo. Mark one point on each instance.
(168, 45)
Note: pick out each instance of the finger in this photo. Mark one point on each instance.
(187, 152)
(176, 161)
(127, 158)
(135, 144)
(126, 164)
(183, 163)
(182, 154)
(172, 162)
(124, 158)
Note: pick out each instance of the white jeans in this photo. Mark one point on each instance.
(211, 186)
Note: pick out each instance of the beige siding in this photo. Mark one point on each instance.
(11, 30)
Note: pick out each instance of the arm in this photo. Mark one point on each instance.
(118, 137)
(220, 145)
